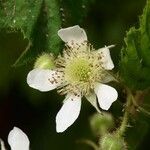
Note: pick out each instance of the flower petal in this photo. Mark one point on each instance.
(93, 100)
(2, 145)
(18, 140)
(68, 113)
(106, 95)
(73, 34)
(40, 79)
(107, 62)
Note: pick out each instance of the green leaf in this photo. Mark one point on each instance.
(44, 34)
(135, 62)
(145, 34)
(19, 15)
(39, 21)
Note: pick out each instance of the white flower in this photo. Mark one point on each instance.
(81, 71)
(17, 140)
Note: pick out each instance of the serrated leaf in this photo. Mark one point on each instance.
(135, 60)
(145, 34)
(39, 20)
(44, 34)
(20, 15)
(37, 39)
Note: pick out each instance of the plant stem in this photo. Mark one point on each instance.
(124, 122)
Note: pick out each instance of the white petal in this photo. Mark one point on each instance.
(72, 34)
(40, 79)
(68, 113)
(107, 62)
(2, 145)
(106, 95)
(18, 140)
(93, 100)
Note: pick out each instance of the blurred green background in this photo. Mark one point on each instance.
(34, 112)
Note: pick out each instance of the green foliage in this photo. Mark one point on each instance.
(38, 20)
(44, 34)
(136, 133)
(19, 15)
(145, 35)
(135, 62)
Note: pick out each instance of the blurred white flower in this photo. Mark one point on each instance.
(81, 71)
(2, 145)
(17, 140)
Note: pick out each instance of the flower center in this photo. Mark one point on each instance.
(77, 70)
(81, 67)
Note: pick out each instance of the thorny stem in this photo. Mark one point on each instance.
(131, 101)
(124, 122)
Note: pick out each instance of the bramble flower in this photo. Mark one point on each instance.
(17, 140)
(80, 71)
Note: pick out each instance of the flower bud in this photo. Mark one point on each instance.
(112, 142)
(101, 123)
(45, 61)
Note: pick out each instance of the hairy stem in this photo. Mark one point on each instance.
(124, 122)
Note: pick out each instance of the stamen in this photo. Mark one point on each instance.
(81, 68)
